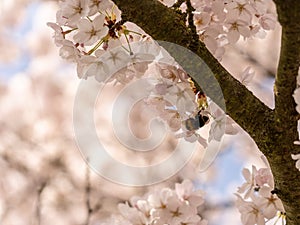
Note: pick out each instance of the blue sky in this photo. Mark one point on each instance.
(17, 34)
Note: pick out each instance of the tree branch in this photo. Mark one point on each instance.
(39, 203)
(89, 208)
(163, 24)
(285, 123)
(289, 62)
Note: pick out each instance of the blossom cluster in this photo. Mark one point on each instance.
(184, 108)
(223, 22)
(92, 35)
(175, 102)
(256, 198)
(81, 27)
(162, 207)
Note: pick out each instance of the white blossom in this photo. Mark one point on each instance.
(185, 191)
(249, 185)
(98, 6)
(296, 96)
(58, 34)
(236, 28)
(250, 212)
(72, 11)
(91, 31)
(68, 51)
(268, 21)
(268, 202)
(239, 9)
(297, 158)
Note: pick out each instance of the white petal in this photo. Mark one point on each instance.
(233, 36)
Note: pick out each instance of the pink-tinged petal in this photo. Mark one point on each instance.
(98, 22)
(233, 36)
(295, 157)
(211, 43)
(247, 174)
(80, 37)
(184, 189)
(217, 7)
(244, 30)
(268, 21)
(84, 25)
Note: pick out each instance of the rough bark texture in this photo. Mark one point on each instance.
(273, 130)
(287, 180)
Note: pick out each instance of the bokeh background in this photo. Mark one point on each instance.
(44, 178)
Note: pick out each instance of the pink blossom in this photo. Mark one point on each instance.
(72, 11)
(268, 21)
(237, 28)
(185, 191)
(249, 185)
(296, 96)
(250, 212)
(269, 203)
(263, 176)
(297, 158)
(91, 31)
(239, 10)
(69, 52)
(58, 34)
(99, 6)
(201, 20)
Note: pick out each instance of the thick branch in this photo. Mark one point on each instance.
(164, 24)
(287, 177)
(289, 62)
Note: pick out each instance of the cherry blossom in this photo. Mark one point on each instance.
(250, 212)
(98, 6)
(259, 202)
(296, 96)
(268, 21)
(72, 11)
(192, 136)
(297, 158)
(201, 20)
(264, 176)
(179, 211)
(69, 51)
(185, 191)
(222, 124)
(90, 31)
(173, 119)
(58, 33)
(182, 96)
(248, 186)
(269, 203)
(132, 214)
(236, 28)
(165, 207)
(239, 9)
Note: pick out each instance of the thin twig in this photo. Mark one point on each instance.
(190, 10)
(38, 203)
(87, 196)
